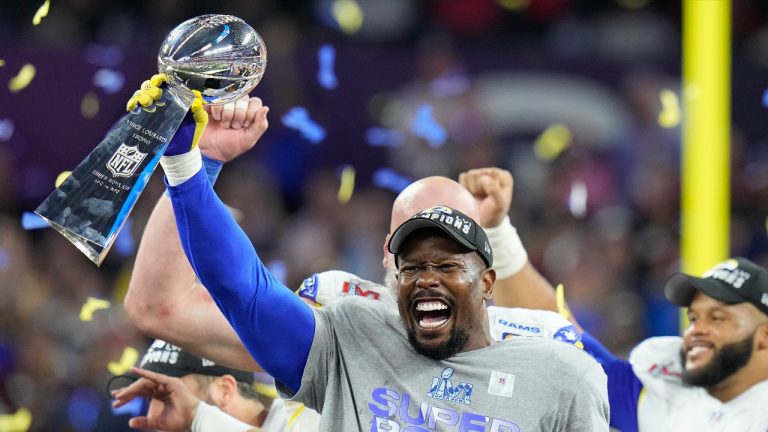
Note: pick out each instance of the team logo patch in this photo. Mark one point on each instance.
(308, 288)
(125, 161)
(567, 334)
(501, 384)
(443, 388)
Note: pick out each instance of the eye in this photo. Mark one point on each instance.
(448, 267)
(409, 270)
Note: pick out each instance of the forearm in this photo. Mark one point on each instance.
(275, 326)
(525, 289)
(165, 301)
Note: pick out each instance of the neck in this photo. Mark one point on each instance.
(481, 334)
(251, 412)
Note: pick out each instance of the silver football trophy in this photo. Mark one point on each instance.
(219, 55)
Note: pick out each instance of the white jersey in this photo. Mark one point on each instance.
(666, 404)
(331, 286)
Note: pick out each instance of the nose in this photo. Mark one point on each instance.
(698, 328)
(428, 277)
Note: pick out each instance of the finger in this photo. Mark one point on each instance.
(140, 423)
(227, 112)
(215, 111)
(492, 187)
(254, 105)
(259, 125)
(241, 110)
(154, 377)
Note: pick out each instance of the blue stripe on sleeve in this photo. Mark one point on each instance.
(276, 327)
(623, 385)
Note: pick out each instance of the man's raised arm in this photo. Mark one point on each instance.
(164, 298)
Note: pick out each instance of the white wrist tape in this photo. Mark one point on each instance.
(509, 255)
(181, 168)
(208, 418)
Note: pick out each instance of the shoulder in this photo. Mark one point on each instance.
(657, 360)
(331, 286)
(509, 322)
(552, 355)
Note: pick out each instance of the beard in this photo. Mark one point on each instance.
(454, 345)
(725, 362)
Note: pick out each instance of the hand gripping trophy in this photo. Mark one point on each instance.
(220, 56)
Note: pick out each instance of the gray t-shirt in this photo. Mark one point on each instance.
(362, 374)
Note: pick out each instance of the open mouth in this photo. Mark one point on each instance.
(697, 349)
(431, 313)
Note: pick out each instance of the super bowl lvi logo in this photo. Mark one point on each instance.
(125, 161)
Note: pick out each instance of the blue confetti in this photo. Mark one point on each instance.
(109, 80)
(83, 409)
(278, 269)
(31, 221)
(425, 126)
(765, 98)
(6, 129)
(5, 259)
(298, 118)
(382, 137)
(135, 407)
(224, 33)
(103, 55)
(387, 178)
(326, 56)
(124, 244)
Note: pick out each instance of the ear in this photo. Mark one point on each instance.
(488, 279)
(223, 391)
(761, 336)
(387, 256)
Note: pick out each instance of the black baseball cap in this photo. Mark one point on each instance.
(459, 227)
(736, 280)
(168, 359)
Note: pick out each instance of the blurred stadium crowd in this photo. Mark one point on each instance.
(366, 95)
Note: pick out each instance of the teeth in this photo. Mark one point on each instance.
(430, 306)
(432, 324)
(697, 349)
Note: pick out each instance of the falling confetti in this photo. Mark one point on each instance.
(515, 5)
(382, 137)
(347, 184)
(124, 244)
(425, 126)
(41, 13)
(31, 221)
(326, 56)
(298, 118)
(22, 79)
(61, 177)
(92, 305)
(555, 138)
(129, 358)
(134, 408)
(577, 200)
(387, 178)
(348, 15)
(89, 106)
(109, 80)
(669, 116)
(6, 129)
(562, 309)
(279, 270)
(20, 421)
(2, 62)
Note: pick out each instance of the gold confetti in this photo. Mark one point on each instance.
(347, 184)
(61, 177)
(22, 79)
(348, 14)
(129, 358)
(92, 305)
(669, 116)
(20, 421)
(2, 62)
(555, 138)
(562, 308)
(89, 106)
(515, 5)
(41, 13)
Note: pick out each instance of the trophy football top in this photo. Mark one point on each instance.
(220, 55)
